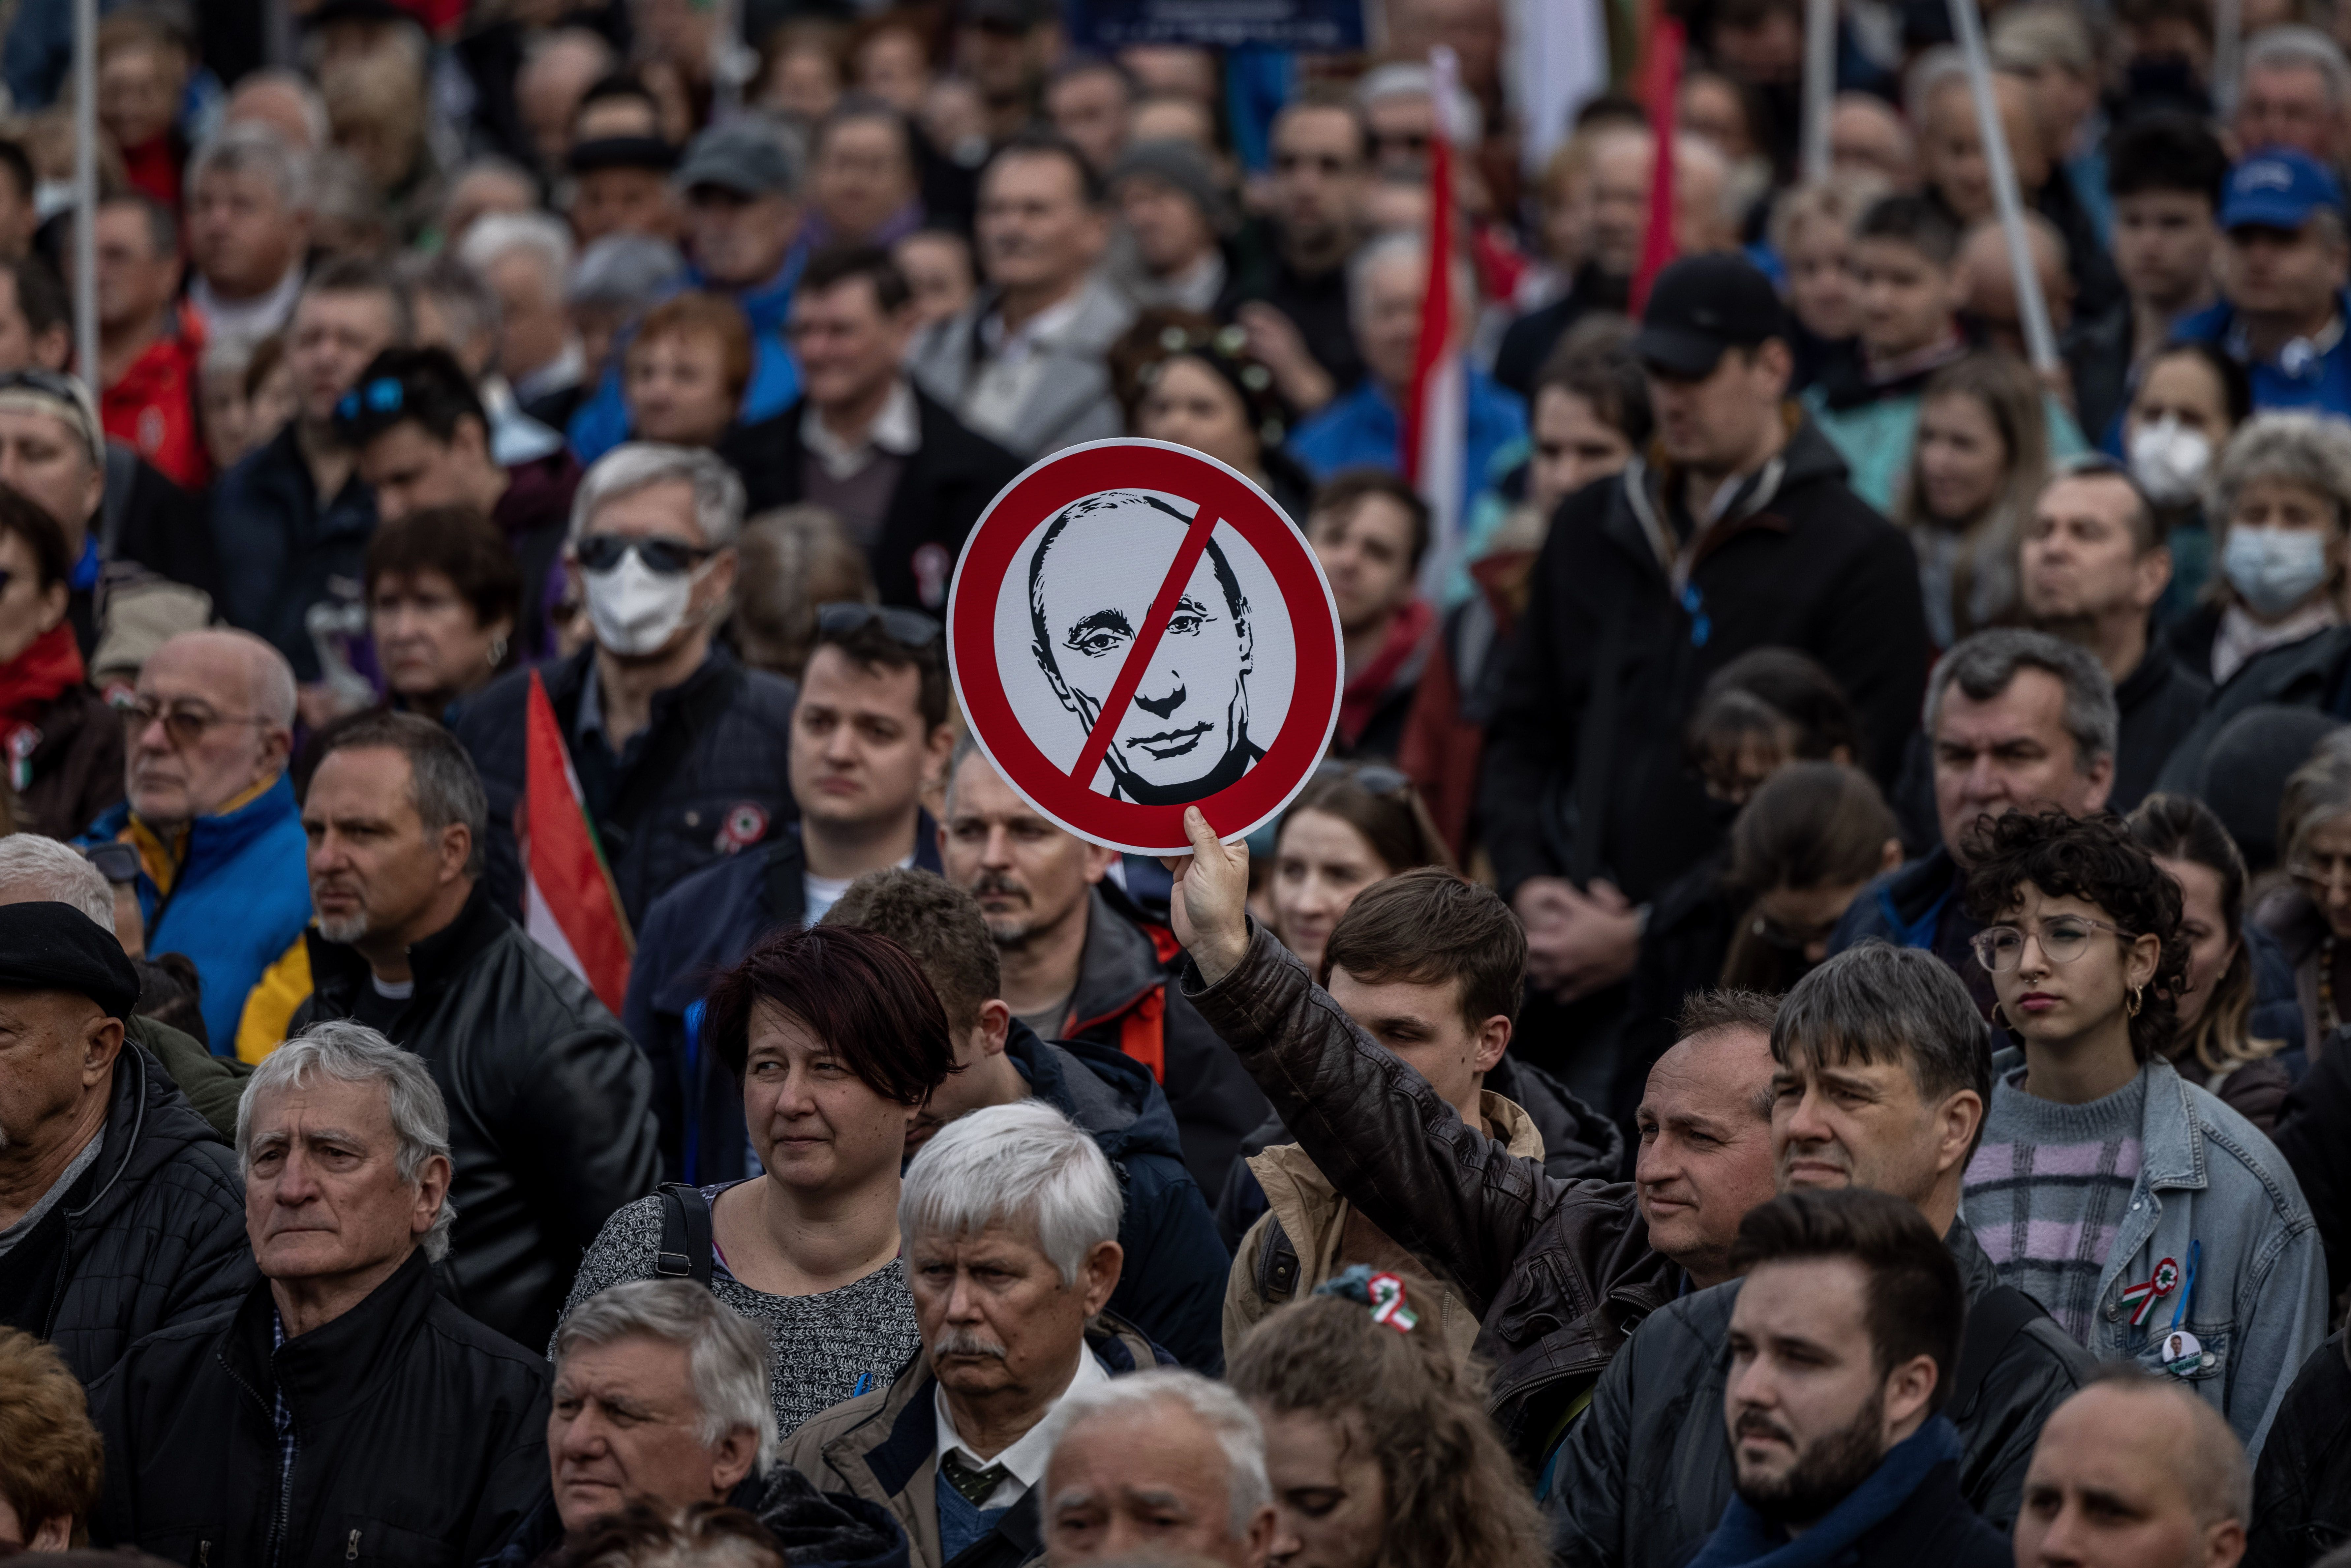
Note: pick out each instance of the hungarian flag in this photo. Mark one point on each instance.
(1436, 440)
(569, 904)
(1662, 85)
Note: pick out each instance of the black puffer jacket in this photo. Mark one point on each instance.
(550, 1107)
(1557, 1272)
(420, 1437)
(2302, 1490)
(713, 768)
(1645, 1473)
(153, 1231)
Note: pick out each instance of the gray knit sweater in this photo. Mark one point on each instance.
(825, 1347)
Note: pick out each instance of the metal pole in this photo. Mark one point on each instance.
(1819, 85)
(2031, 309)
(85, 69)
(2228, 52)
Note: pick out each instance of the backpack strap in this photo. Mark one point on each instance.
(686, 1249)
(1994, 1318)
(1277, 1266)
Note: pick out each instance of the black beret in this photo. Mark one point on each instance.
(50, 946)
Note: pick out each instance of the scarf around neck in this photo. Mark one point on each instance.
(1745, 1538)
(29, 683)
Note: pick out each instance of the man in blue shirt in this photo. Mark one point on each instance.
(2282, 268)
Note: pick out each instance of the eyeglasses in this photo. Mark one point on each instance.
(382, 395)
(664, 558)
(847, 617)
(2063, 939)
(2320, 874)
(115, 862)
(1375, 778)
(184, 724)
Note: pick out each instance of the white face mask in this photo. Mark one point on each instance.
(2274, 568)
(636, 609)
(2169, 461)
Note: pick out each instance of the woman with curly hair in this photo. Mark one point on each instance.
(1376, 1438)
(2155, 1223)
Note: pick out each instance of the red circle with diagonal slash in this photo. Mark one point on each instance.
(1026, 505)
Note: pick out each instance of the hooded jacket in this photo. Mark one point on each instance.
(550, 1107)
(152, 1235)
(1645, 1473)
(1585, 770)
(419, 1437)
(882, 1446)
(1557, 1272)
(1174, 1267)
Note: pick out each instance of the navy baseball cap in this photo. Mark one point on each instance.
(2278, 189)
(1701, 304)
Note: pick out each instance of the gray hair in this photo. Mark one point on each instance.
(1928, 74)
(2294, 448)
(2316, 793)
(353, 1053)
(38, 870)
(1022, 1165)
(305, 93)
(443, 783)
(967, 746)
(2293, 44)
(540, 236)
(1226, 1415)
(1876, 1002)
(1397, 246)
(467, 304)
(628, 270)
(249, 147)
(1409, 78)
(727, 1352)
(638, 464)
(1982, 666)
(2029, 38)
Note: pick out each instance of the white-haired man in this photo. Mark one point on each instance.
(345, 1411)
(525, 257)
(682, 753)
(1010, 1219)
(210, 813)
(1164, 1462)
(248, 216)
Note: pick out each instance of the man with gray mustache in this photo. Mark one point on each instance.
(1010, 1219)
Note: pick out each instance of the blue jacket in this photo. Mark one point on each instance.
(1363, 428)
(2257, 1303)
(1172, 1285)
(2322, 383)
(282, 547)
(242, 897)
(601, 423)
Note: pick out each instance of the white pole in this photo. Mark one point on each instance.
(85, 69)
(2031, 309)
(1820, 86)
(2228, 51)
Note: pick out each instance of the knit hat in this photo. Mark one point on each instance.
(51, 946)
(1183, 166)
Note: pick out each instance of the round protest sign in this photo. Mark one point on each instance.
(1135, 628)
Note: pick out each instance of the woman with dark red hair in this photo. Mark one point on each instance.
(838, 1041)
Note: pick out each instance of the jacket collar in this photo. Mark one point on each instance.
(1916, 894)
(337, 1366)
(1120, 962)
(436, 960)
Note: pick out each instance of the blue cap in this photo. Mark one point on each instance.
(2278, 189)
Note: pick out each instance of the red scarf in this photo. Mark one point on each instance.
(1360, 703)
(29, 683)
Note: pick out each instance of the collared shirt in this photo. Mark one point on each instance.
(1008, 349)
(896, 430)
(2241, 638)
(1196, 287)
(255, 317)
(1024, 1461)
(561, 373)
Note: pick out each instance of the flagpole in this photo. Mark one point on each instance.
(85, 229)
(1819, 85)
(2031, 309)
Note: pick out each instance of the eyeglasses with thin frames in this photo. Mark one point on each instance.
(2062, 938)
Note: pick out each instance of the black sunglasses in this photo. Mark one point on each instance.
(847, 617)
(115, 862)
(667, 557)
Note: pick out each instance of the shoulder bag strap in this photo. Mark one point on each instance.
(686, 1250)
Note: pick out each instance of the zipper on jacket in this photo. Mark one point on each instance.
(204, 1554)
(351, 1551)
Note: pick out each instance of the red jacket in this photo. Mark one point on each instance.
(153, 407)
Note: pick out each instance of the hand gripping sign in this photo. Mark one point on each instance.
(1136, 627)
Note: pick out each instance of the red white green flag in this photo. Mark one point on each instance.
(569, 904)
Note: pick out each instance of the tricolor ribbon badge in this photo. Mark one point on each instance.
(1387, 1304)
(2143, 1295)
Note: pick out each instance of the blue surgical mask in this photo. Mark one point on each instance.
(2274, 568)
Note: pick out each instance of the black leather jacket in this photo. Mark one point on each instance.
(1557, 1272)
(2302, 1488)
(550, 1107)
(1646, 1472)
(419, 1437)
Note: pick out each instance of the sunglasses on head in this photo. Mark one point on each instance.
(846, 617)
(116, 863)
(663, 557)
(382, 395)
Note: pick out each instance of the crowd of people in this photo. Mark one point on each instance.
(1794, 1024)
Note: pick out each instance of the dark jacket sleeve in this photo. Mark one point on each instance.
(2301, 1488)
(1538, 707)
(516, 1484)
(1873, 639)
(1588, 1482)
(653, 964)
(490, 727)
(2313, 1133)
(582, 1119)
(1450, 1196)
(1172, 1284)
(214, 1085)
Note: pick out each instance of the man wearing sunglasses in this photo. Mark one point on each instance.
(211, 813)
(682, 754)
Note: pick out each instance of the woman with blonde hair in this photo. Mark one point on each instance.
(1980, 457)
(1376, 1438)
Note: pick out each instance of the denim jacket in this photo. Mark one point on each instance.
(2258, 1303)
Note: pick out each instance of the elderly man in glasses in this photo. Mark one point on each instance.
(211, 811)
(869, 737)
(680, 752)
